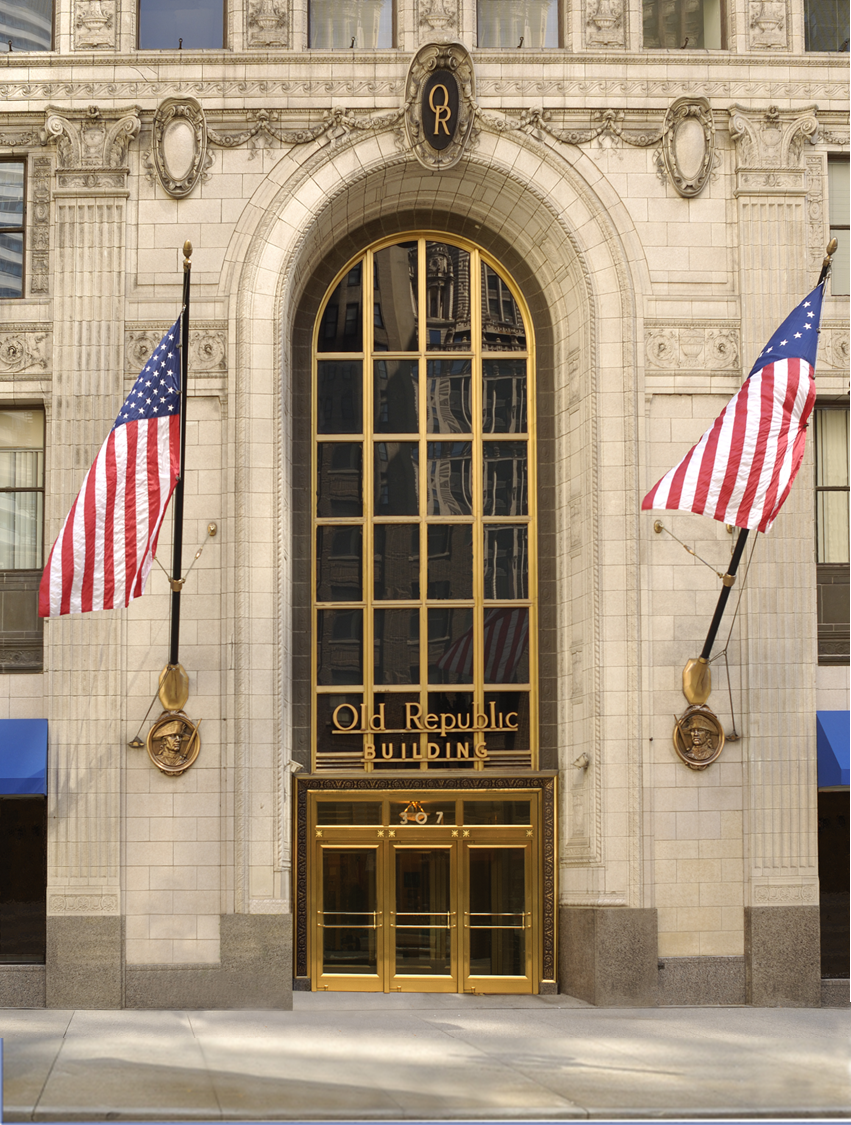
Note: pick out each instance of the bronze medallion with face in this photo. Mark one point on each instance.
(173, 743)
(698, 737)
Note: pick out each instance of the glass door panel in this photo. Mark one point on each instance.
(349, 924)
(498, 919)
(423, 920)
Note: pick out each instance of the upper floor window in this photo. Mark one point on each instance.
(697, 24)
(187, 24)
(27, 23)
(21, 532)
(12, 194)
(832, 560)
(518, 23)
(838, 208)
(826, 25)
(362, 24)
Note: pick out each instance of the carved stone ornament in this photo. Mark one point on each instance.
(692, 349)
(173, 743)
(94, 24)
(698, 737)
(23, 348)
(440, 104)
(207, 348)
(179, 145)
(767, 22)
(774, 138)
(267, 23)
(91, 144)
(604, 26)
(688, 145)
(438, 18)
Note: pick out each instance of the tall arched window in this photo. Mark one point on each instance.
(424, 555)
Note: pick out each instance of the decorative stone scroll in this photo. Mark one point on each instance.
(773, 138)
(440, 106)
(91, 144)
(688, 145)
(692, 348)
(207, 347)
(179, 147)
(605, 25)
(94, 25)
(23, 348)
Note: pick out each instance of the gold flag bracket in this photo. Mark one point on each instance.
(176, 584)
(727, 579)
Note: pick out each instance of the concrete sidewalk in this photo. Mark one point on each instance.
(407, 1057)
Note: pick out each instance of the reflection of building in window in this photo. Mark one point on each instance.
(516, 23)
(199, 23)
(21, 526)
(826, 26)
(448, 297)
(362, 24)
(502, 323)
(831, 453)
(838, 208)
(12, 183)
(28, 23)
(680, 23)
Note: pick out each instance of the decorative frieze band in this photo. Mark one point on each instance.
(82, 903)
(207, 347)
(691, 348)
(834, 348)
(786, 894)
(24, 349)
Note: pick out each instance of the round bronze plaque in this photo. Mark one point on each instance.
(698, 737)
(173, 743)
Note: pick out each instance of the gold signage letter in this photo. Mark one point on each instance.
(413, 712)
(440, 111)
(353, 724)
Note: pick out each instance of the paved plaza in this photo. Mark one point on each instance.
(410, 1057)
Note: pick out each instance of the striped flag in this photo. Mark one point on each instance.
(741, 470)
(104, 552)
(506, 642)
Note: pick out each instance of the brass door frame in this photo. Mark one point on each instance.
(540, 868)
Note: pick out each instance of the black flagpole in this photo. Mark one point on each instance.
(730, 577)
(177, 556)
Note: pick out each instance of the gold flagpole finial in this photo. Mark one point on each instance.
(187, 254)
(830, 251)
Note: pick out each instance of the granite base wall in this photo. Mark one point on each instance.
(22, 986)
(701, 981)
(84, 961)
(608, 955)
(255, 971)
(783, 956)
(835, 993)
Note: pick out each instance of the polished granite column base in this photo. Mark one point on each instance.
(83, 963)
(608, 955)
(783, 956)
(22, 986)
(696, 981)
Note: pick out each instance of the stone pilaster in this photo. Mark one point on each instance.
(781, 945)
(83, 654)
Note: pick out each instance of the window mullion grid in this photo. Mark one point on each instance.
(476, 410)
(368, 415)
(422, 401)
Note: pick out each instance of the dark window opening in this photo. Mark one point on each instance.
(21, 531)
(833, 873)
(832, 558)
(23, 879)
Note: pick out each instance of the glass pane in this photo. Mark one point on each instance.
(826, 25)
(497, 912)
(508, 714)
(832, 522)
(349, 910)
(448, 396)
(450, 646)
(839, 196)
(506, 483)
(27, 23)
(422, 912)
(447, 298)
(669, 23)
(396, 478)
(341, 327)
(23, 879)
(336, 714)
(506, 561)
(200, 23)
(518, 23)
(19, 430)
(840, 273)
(339, 646)
(450, 561)
(414, 812)
(497, 812)
(366, 24)
(11, 265)
(832, 447)
(21, 521)
(339, 396)
(395, 396)
(450, 486)
(348, 812)
(338, 472)
(397, 646)
(11, 187)
(502, 321)
(504, 396)
(395, 318)
(397, 561)
(339, 564)
(506, 642)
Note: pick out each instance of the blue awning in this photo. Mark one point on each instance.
(23, 756)
(834, 748)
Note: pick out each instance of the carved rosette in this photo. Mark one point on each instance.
(688, 145)
(23, 349)
(94, 25)
(605, 24)
(834, 348)
(179, 145)
(268, 23)
(446, 64)
(207, 348)
(767, 25)
(692, 348)
(91, 144)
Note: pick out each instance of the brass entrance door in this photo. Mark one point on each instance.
(428, 903)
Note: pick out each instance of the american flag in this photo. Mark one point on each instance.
(741, 470)
(104, 552)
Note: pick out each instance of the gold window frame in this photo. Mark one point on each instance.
(368, 521)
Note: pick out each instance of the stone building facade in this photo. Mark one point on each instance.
(653, 211)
